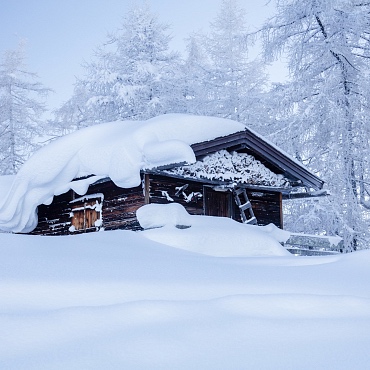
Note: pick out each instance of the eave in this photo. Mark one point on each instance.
(261, 148)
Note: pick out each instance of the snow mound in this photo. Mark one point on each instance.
(118, 150)
(158, 215)
(213, 236)
(280, 235)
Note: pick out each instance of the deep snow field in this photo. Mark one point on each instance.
(120, 300)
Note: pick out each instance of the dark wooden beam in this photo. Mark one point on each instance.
(313, 194)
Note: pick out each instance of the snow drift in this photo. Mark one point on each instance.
(118, 150)
(117, 300)
(170, 224)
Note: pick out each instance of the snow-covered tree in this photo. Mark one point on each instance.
(195, 74)
(221, 68)
(236, 82)
(132, 75)
(73, 114)
(325, 117)
(21, 106)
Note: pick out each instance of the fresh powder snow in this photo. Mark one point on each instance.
(170, 224)
(118, 300)
(118, 150)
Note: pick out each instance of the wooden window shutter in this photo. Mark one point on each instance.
(86, 213)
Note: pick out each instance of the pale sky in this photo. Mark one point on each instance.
(61, 34)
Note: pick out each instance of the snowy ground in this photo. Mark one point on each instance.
(118, 300)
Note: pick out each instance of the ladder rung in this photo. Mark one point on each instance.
(252, 220)
(245, 206)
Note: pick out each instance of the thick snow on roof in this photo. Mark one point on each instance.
(118, 150)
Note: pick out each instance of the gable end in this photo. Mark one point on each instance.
(260, 148)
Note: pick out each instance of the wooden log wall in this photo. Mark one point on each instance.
(55, 219)
(119, 205)
(267, 207)
(118, 210)
(163, 190)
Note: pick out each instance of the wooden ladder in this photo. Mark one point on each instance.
(245, 206)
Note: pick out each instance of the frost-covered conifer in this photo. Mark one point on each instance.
(195, 76)
(131, 77)
(227, 83)
(21, 106)
(324, 113)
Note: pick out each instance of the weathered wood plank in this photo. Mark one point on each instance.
(120, 206)
(189, 194)
(267, 207)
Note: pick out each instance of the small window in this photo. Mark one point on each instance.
(86, 214)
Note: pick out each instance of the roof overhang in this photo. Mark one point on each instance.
(260, 148)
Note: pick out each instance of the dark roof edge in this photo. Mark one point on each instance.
(266, 150)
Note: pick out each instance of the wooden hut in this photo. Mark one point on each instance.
(239, 175)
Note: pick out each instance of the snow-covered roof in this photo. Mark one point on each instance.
(118, 150)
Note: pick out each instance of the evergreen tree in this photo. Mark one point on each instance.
(194, 77)
(21, 107)
(132, 75)
(227, 83)
(325, 121)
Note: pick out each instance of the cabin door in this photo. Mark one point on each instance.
(217, 203)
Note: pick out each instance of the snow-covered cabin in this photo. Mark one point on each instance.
(97, 178)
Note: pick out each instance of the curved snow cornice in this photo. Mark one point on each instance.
(118, 150)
